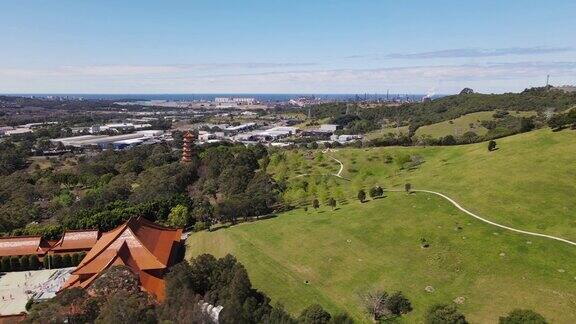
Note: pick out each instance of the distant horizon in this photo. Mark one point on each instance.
(299, 46)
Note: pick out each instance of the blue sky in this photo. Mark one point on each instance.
(296, 46)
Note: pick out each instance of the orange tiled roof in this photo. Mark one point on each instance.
(80, 240)
(23, 245)
(147, 248)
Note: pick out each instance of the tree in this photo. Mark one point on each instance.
(466, 91)
(66, 261)
(179, 216)
(342, 318)
(375, 304)
(522, 316)
(14, 263)
(491, 145)
(315, 203)
(46, 262)
(74, 259)
(398, 304)
(332, 203)
(362, 195)
(56, 261)
(408, 187)
(24, 262)
(125, 307)
(376, 192)
(34, 262)
(5, 265)
(314, 314)
(444, 314)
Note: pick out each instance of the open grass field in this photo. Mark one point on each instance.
(463, 124)
(528, 183)
(360, 247)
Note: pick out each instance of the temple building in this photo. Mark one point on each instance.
(76, 241)
(147, 248)
(188, 139)
(23, 245)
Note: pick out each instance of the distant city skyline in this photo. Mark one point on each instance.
(259, 46)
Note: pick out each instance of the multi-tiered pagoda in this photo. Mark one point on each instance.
(187, 147)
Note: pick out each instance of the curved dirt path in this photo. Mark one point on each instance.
(457, 205)
(339, 174)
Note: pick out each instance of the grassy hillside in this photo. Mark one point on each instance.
(470, 122)
(529, 183)
(360, 247)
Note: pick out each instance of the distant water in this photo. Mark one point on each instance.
(276, 97)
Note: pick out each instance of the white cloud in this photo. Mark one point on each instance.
(277, 78)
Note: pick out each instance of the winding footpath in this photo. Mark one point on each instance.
(457, 205)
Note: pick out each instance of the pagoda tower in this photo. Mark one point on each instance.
(187, 147)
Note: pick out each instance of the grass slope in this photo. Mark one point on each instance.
(529, 182)
(463, 124)
(360, 247)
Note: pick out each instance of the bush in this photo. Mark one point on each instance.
(47, 263)
(362, 195)
(24, 262)
(56, 261)
(81, 256)
(66, 261)
(14, 263)
(74, 258)
(444, 314)
(34, 262)
(5, 264)
(491, 146)
(398, 304)
(314, 314)
(200, 226)
(521, 316)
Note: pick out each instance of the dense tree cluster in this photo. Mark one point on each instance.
(223, 182)
(354, 118)
(560, 121)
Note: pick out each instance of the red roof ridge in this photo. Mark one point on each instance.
(146, 222)
(155, 225)
(87, 260)
(81, 230)
(20, 236)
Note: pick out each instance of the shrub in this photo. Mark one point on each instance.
(444, 314)
(24, 262)
(200, 226)
(34, 262)
(46, 261)
(56, 261)
(14, 263)
(362, 195)
(5, 264)
(75, 260)
(398, 304)
(408, 187)
(66, 261)
(491, 146)
(521, 316)
(315, 203)
(314, 314)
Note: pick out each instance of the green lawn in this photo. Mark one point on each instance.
(529, 183)
(463, 124)
(360, 247)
